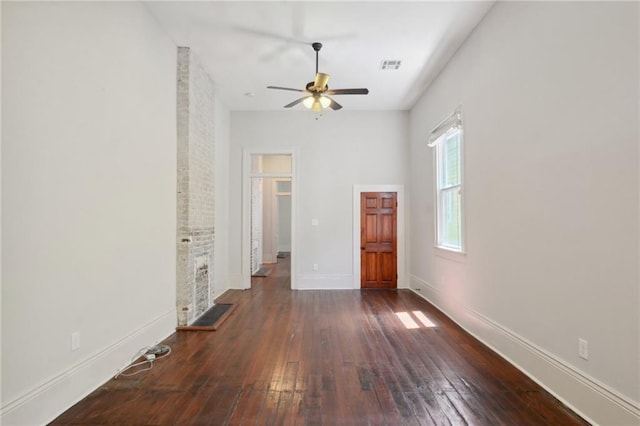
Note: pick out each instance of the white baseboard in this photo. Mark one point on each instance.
(591, 399)
(325, 282)
(45, 402)
(221, 294)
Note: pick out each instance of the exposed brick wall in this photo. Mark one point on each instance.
(256, 223)
(196, 195)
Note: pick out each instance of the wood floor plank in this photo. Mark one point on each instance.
(324, 358)
(248, 407)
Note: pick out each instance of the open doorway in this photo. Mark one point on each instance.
(282, 218)
(268, 215)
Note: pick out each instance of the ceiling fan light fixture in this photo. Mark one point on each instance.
(324, 101)
(316, 103)
(308, 102)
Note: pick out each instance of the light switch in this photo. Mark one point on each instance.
(314, 222)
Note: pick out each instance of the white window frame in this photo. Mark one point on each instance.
(448, 127)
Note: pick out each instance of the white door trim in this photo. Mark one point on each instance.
(246, 209)
(357, 190)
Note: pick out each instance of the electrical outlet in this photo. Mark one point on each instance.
(583, 349)
(75, 340)
(315, 266)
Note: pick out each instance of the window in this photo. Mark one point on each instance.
(283, 187)
(446, 138)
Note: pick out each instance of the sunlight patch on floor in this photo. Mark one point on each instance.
(407, 320)
(410, 323)
(423, 319)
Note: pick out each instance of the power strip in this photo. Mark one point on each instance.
(156, 351)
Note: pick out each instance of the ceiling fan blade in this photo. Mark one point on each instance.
(296, 102)
(321, 80)
(267, 34)
(285, 88)
(334, 105)
(348, 92)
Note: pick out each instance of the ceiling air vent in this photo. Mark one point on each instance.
(390, 64)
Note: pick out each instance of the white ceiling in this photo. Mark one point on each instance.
(247, 46)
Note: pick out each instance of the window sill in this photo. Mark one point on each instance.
(446, 253)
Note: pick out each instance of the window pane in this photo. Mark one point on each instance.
(450, 219)
(451, 160)
(283, 186)
(449, 189)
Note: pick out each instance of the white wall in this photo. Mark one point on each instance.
(550, 106)
(88, 197)
(339, 150)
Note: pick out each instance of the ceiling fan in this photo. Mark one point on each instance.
(317, 92)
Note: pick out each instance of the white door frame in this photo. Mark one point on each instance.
(247, 175)
(359, 189)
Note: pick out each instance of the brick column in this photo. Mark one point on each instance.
(196, 195)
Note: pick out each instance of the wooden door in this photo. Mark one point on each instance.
(378, 240)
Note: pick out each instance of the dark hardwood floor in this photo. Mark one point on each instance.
(324, 357)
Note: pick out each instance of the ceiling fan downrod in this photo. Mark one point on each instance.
(316, 46)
